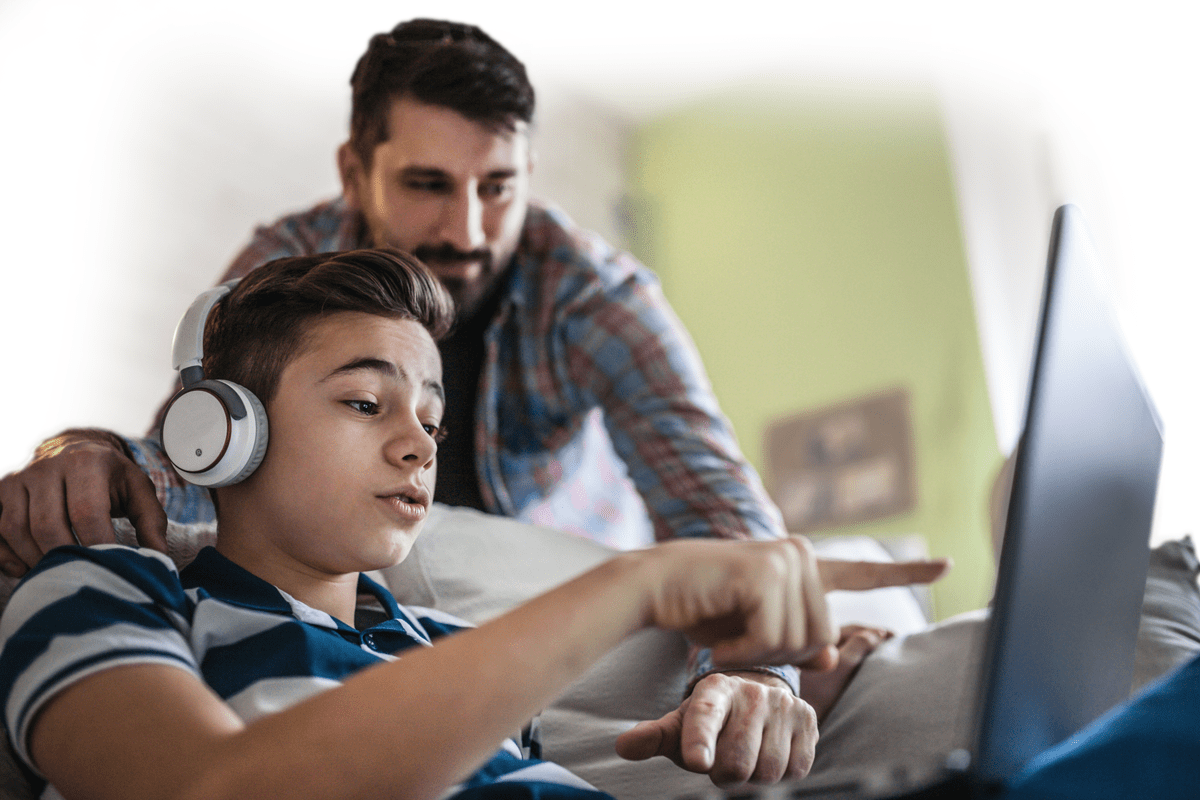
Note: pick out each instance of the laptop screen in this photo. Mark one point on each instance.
(1073, 566)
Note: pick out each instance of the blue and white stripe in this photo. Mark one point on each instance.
(83, 610)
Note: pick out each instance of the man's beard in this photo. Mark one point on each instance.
(467, 295)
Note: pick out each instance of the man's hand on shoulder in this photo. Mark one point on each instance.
(75, 484)
(735, 727)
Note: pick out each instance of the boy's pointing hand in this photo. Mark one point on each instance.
(758, 603)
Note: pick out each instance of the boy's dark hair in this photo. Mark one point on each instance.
(259, 327)
(442, 64)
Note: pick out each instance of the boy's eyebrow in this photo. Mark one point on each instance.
(388, 369)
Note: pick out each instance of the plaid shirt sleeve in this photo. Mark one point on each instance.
(629, 353)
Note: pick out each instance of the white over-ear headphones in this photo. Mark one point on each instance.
(214, 432)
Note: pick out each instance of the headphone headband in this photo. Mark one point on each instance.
(213, 432)
(187, 348)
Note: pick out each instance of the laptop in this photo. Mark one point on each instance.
(1072, 572)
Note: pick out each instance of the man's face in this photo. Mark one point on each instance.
(349, 474)
(448, 190)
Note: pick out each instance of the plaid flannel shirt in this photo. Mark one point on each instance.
(594, 415)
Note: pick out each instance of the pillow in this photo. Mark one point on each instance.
(1170, 630)
(912, 699)
(478, 565)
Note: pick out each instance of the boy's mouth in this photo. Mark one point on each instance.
(410, 501)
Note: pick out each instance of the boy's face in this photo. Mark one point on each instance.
(349, 472)
(448, 190)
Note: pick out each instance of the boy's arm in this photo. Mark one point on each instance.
(156, 731)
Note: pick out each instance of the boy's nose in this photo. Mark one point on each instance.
(413, 446)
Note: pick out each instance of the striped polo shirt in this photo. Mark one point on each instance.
(82, 610)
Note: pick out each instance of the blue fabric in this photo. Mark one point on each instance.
(1148, 747)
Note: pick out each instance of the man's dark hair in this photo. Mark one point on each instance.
(259, 327)
(441, 64)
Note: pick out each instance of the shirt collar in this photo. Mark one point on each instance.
(224, 580)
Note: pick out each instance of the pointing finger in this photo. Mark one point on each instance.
(861, 575)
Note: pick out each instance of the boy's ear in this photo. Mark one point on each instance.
(353, 175)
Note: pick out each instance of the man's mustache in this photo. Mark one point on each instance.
(449, 254)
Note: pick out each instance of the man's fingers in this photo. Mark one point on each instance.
(861, 575)
(774, 750)
(703, 717)
(47, 514)
(141, 506)
(804, 745)
(89, 504)
(656, 737)
(11, 564)
(20, 550)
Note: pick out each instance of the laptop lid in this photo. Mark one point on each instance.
(1073, 568)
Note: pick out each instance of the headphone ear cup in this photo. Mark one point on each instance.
(215, 433)
(257, 441)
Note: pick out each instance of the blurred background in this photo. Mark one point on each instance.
(840, 199)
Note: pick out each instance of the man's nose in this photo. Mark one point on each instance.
(462, 222)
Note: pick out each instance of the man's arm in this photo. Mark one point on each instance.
(157, 731)
(633, 357)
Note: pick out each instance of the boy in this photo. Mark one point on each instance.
(243, 676)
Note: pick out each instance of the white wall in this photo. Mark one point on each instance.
(139, 141)
(139, 147)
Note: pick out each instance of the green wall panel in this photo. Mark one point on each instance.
(812, 248)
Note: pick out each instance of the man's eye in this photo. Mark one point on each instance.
(493, 190)
(436, 432)
(364, 407)
(435, 186)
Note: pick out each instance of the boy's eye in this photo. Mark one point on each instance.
(364, 407)
(436, 432)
